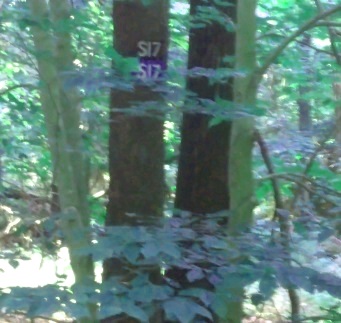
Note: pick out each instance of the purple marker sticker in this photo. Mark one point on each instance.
(151, 69)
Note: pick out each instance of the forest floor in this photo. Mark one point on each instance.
(37, 270)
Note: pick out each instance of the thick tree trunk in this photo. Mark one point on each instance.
(202, 176)
(202, 180)
(136, 147)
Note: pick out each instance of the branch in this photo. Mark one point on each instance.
(270, 168)
(328, 24)
(305, 178)
(284, 223)
(308, 25)
(314, 155)
(330, 33)
(319, 50)
(16, 86)
(300, 182)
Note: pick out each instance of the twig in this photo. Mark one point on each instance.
(289, 178)
(311, 161)
(16, 86)
(331, 34)
(319, 50)
(279, 49)
(283, 223)
(270, 168)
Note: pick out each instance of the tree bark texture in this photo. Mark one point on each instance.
(242, 138)
(136, 149)
(202, 181)
(62, 120)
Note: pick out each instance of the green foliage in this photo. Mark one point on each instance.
(259, 260)
(198, 247)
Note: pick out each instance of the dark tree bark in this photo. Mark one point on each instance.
(202, 182)
(136, 148)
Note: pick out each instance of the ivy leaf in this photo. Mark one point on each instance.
(184, 310)
(325, 234)
(131, 252)
(110, 310)
(135, 312)
(170, 249)
(195, 274)
(267, 286)
(204, 295)
(215, 121)
(257, 299)
(150, 250)
(14, 263)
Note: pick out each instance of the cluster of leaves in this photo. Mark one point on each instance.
(209, 261)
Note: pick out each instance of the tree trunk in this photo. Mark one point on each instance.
(202, 180)
(202, 175)
(136, 147)
(337, 92)
(242, 137)
(305, 122)
(64, 135)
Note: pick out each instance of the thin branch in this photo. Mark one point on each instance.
(284, 222)
(319, 50)
(328, 24)
(308, 25)
(288, 177)
(16, 86)
(331, 35)
(266, 157)
(317, 151)
(291, 177)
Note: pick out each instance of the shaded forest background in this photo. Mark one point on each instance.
(163, 182)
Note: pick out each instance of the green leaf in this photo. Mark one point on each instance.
(257, 299)
(150, 249)
(267, 286)
(135, 311)
(131, 252)
(215, 121)
(184, 310)
(110, 310)
(204, 295)
(14, 263)
(146, 2)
